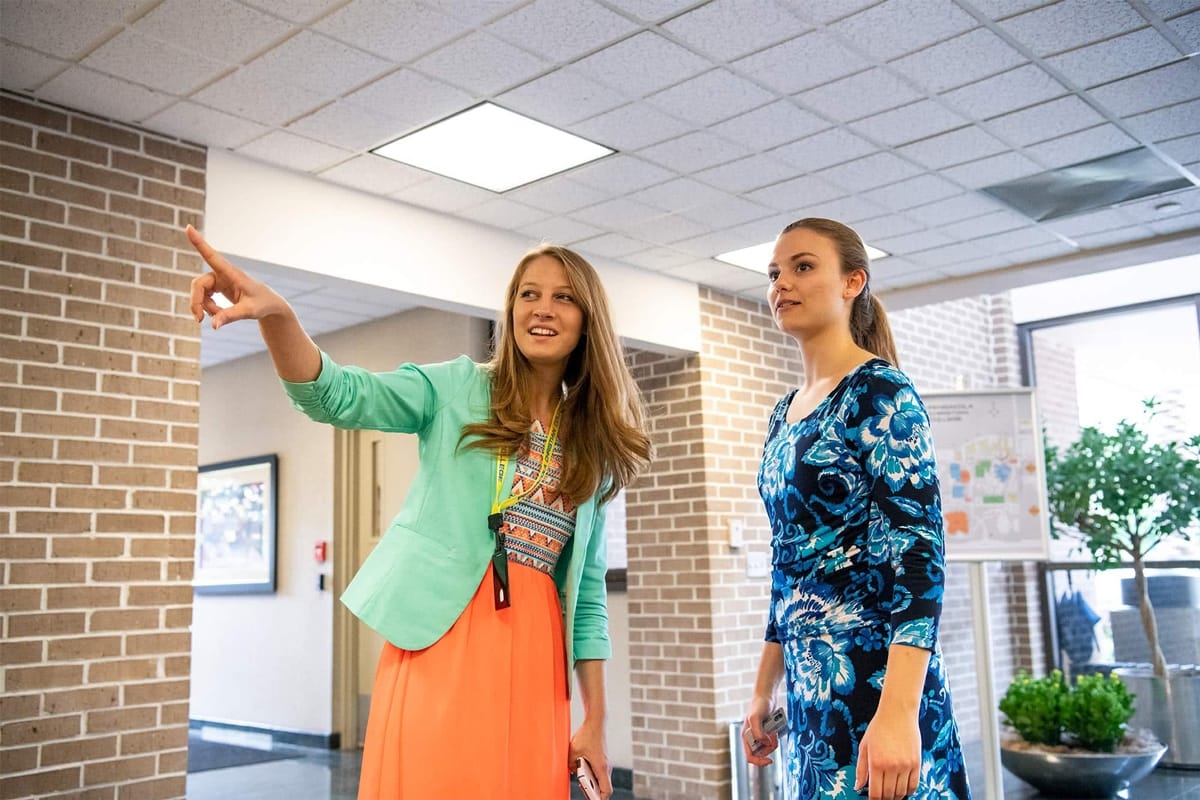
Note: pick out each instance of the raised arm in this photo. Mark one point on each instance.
(296, 357)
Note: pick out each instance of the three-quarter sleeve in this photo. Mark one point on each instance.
(888, 428)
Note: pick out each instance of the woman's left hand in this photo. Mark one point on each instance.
(889, 756)
(588, 742)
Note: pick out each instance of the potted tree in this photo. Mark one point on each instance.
(1121, 496)
(1073, 741)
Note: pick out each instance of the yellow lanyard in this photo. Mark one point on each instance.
(496, 518)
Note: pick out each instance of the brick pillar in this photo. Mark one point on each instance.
(99, 391)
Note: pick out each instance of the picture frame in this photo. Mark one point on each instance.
(236, 526)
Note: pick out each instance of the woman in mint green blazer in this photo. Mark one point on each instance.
(489, 585)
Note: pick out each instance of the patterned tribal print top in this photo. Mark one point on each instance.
(537, 527)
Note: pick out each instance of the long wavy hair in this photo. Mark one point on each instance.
(868, 321)
(602, 427)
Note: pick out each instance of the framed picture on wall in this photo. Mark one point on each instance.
(236, 527)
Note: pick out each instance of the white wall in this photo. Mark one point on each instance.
(281, 217)
(267, 660)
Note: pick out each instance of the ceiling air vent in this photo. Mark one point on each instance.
(1089, 185)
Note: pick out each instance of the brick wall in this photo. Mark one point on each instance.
(99, 385)
(695, 618)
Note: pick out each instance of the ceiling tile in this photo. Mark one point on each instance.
(728, 29)
(1083, 224)
(503, 213)
(950, 254)
(374, 174)
(941, 213)
(195, 123)
(152, 63)
(411, 99)
(1000, 9)
(1185, 149)
(882, 227)
(1045, 121)
(896, 27)
(1167, 123)
(1018, 239)
(859, 95)
(616, 213)
(1183, 222)
(711, 97)
(746, 174)
(1102, 140)
(474, 12)
(850, 209)
(651, 10)
(973, 55)
(877, 169)
(719, 275)
(623, 66)
(557, 193)
(561, 98)
(559, 230)
(1070, 24)
(1187, 28)
(611, 245)
(667, 229)
(56, 28)
(444, 194)
(620, 174)
(975, 266)
(993, 169)
(985, 225)
(659, 258)
(248, 94)
(824, 149)
(912, 242)
(1164, 86)
(726, 212)
(108, 97)
(909, 123)
(294, 152)
(913, 192)
(956, 147)
(770, 125)
(631, 127)
(561, 31)
(1170, 8)
(481, 63)
(826, 11)
(294, 10)
(1005, 92)
(398, 30)
(347, 125)
(24, 70)
(678, 194)
(216, 26)
(787, 195)
(824, 59)
(1092, 241)
(319, 63)
(1146, 210)
(1107, 61)
(693, 151)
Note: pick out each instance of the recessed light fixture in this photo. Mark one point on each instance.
(492, 147)
(757, 257)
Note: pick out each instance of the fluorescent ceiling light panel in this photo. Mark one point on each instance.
(757, 257)
(492, 147)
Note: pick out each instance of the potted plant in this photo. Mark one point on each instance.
(1074, 741)
(1121, 496)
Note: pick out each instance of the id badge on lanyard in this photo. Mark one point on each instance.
(496, 518)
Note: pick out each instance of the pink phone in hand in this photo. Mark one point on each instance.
(587, 779)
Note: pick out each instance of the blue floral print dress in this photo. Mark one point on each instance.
(852, 495)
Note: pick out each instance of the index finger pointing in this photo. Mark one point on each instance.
(215, 260)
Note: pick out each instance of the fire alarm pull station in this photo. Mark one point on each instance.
(321, 552)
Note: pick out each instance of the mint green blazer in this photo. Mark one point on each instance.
(427, 566)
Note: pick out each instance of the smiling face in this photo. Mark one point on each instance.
(547, 321)
(808, 290)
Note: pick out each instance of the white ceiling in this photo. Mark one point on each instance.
(730, 117)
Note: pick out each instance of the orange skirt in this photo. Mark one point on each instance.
(483, 713)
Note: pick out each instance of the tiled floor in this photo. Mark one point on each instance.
(333, 775)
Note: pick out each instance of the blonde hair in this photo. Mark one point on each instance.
(602, 428)
(868, 321)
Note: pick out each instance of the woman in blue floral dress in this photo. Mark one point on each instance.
(850, 487)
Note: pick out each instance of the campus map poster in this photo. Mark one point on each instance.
(990, 464)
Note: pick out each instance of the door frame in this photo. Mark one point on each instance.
(345, 556)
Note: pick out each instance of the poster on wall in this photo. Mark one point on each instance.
(235, 527)
(988, 446)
